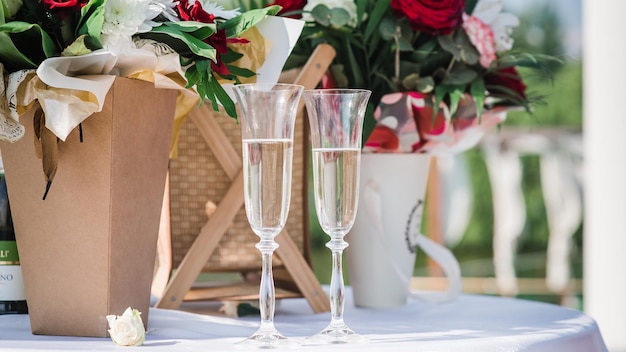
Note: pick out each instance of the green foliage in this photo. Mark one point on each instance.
(562, 100)
(24, 45)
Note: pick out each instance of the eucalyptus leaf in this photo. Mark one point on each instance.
(410, 81)
(404, 44)
(321, 14)
(448, 44)
(339, 17)
(469, 53)
(425, 84)
(387, 28)
(459, 75)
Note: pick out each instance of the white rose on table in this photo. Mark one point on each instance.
(127, 329)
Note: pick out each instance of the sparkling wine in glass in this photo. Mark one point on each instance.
(336, 121)
(268, 113)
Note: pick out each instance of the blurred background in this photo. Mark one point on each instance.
(465, 191)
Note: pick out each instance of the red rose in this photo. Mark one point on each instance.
(218, 40)
(508, 78)
(434, 17)
(64, 8)
(289, 6)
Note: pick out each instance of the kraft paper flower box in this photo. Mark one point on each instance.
(88, 249)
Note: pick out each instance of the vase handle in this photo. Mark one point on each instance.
(450, 265)
(439, 253)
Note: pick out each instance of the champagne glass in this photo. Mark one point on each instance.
(268, 113)
(336, 121)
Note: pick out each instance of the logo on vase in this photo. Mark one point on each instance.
(413, 226)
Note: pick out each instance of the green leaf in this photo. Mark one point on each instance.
(13, 59)
(456, 94)
(447, 43)
(387, 28)
(77, 48)
(459, 75)
(404, 44)
(241, 71)
(470, 5)
(361, 10)
(359, 79)
(339, 17)
(237, 25)
(424, 50)
(440, 93)
(198, 30)
(231, 56)
(375, 16)
(468, 52)
(477, 90)
(321, 14)
(24, 45)
(92, 20)
(223, 98)
(183, 43)
(425, 84)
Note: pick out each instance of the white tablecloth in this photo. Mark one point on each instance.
(470, 323)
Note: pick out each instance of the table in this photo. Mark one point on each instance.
(470, 323)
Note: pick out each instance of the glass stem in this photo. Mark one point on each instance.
(267, 295)
(336, 282)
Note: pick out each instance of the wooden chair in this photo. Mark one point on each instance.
(293, 274)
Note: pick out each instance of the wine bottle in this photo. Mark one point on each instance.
(12, 296)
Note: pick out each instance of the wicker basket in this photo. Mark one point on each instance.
(196, 177)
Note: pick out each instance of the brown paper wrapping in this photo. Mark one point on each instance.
(88, 250)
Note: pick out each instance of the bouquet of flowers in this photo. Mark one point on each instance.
(448, 63)
(191, 42)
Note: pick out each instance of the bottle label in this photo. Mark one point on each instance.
(8, 253)
(11, 283)
(11, 280)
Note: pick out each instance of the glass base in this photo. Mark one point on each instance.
(337, 335)
(267, 339)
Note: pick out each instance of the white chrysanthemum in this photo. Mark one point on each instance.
(216, 10)
(348, 5)
(490, 12)
(122, 19)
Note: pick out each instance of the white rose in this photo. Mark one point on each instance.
(11, 7)
(127, 329)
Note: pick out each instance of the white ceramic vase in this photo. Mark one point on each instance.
(387, 233)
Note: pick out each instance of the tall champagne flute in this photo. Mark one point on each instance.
(336, 121)
(268, 113)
